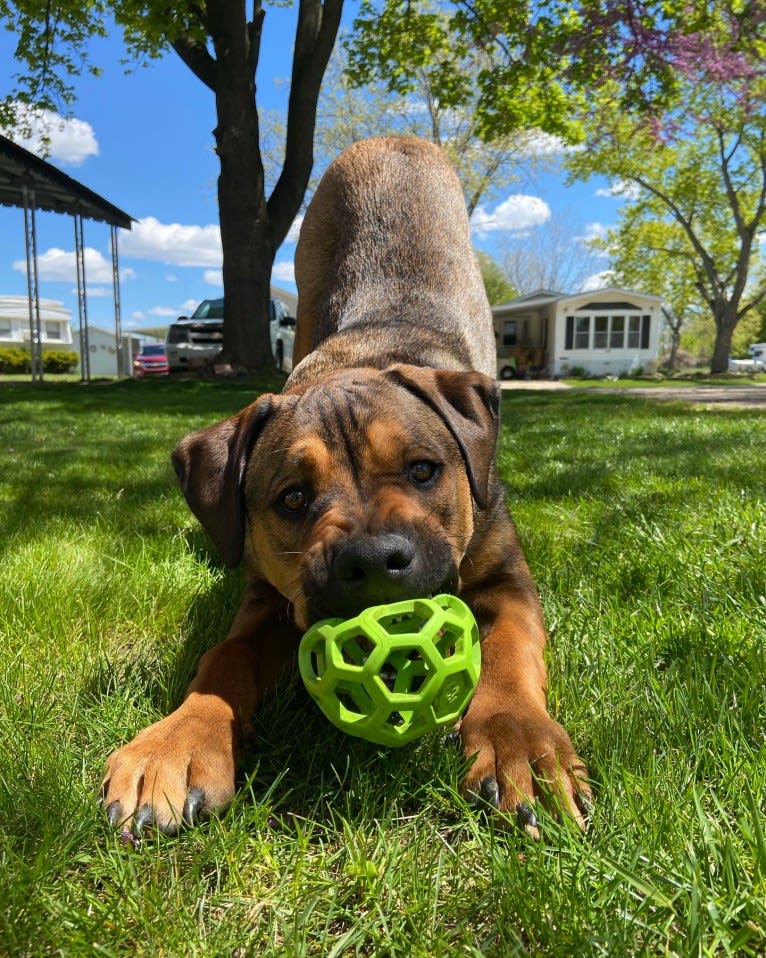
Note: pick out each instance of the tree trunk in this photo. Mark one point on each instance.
(248, 251)
(675, 342)
(725, 324)
(252, 229)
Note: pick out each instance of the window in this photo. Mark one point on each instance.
(5, 327)
(634, 332)
(582, 332)
(646, 325)
(53, 331)
(617, 332)
(600, 332)
(509, 332)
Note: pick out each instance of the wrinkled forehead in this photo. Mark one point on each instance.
(359, 419)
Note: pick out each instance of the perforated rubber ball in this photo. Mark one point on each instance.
(394, 672)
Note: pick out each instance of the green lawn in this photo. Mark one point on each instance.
(645, 526)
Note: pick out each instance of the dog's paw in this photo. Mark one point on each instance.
(171, 774)
(517, 760)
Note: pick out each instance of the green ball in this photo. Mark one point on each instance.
(394, 672)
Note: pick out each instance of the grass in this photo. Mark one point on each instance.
(645, 526)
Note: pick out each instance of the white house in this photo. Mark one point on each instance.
(55, 323)
(602, 332)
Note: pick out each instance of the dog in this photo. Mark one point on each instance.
(369, 479)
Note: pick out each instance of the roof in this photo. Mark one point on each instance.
(546, 298)
(54, 191)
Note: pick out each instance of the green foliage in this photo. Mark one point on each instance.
(644, 526)
(484, 54)
(59, 360)
(13, 359)
(49, 51)
(499, 288)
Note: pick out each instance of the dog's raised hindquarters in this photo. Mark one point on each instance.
(370, 478)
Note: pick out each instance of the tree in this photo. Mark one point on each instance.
(545, 60)
(706, 180)
(653, 255)
(496, 283)
(517, 86)
(220, 44)
(347, 113)
(549, 257)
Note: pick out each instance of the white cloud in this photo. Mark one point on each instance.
(594, 231)
(173, 243)
(284, 271)
(518, 212)
(163, 312)
(597, 281)
(629, 191)
(538, 143)
(58, 266)
(44, 133)
(213, 277)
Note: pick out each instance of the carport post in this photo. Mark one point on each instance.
(82, 302)
(123, 361)
(33, 287)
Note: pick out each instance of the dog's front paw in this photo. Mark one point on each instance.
(516, 760)
(171, 773)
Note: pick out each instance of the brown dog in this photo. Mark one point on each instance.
(369, 479)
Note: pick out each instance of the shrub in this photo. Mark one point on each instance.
(60, 360)
(13, 359)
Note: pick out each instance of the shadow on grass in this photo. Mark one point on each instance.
(81, 452)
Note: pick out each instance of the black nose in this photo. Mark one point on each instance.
(374, 560)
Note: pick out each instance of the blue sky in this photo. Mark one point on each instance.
(143, 140)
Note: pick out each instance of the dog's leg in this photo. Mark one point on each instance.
(518, 751)
(183, 766)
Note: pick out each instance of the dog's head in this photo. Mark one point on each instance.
(356, 490)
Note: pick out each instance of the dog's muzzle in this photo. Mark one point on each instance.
(371, 570)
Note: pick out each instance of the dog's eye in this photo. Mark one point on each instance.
(422, 473)
(294, 500)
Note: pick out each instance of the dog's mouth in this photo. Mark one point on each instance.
(377, 571)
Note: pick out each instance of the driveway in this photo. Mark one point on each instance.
(752, 396)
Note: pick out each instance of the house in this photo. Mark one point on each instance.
(55, 323)
(600, 332)
(102, 348)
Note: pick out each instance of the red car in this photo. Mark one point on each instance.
(151, 361)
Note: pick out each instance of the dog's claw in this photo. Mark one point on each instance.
(195, 802)
(114, 813)
(525, 817)
(489, 791)
(143, 817)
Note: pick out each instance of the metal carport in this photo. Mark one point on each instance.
(32, 184)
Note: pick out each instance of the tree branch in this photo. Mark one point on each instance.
(315, 33)
(196, 57)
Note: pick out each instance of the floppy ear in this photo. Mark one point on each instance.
(468, 403)
(210, 464)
